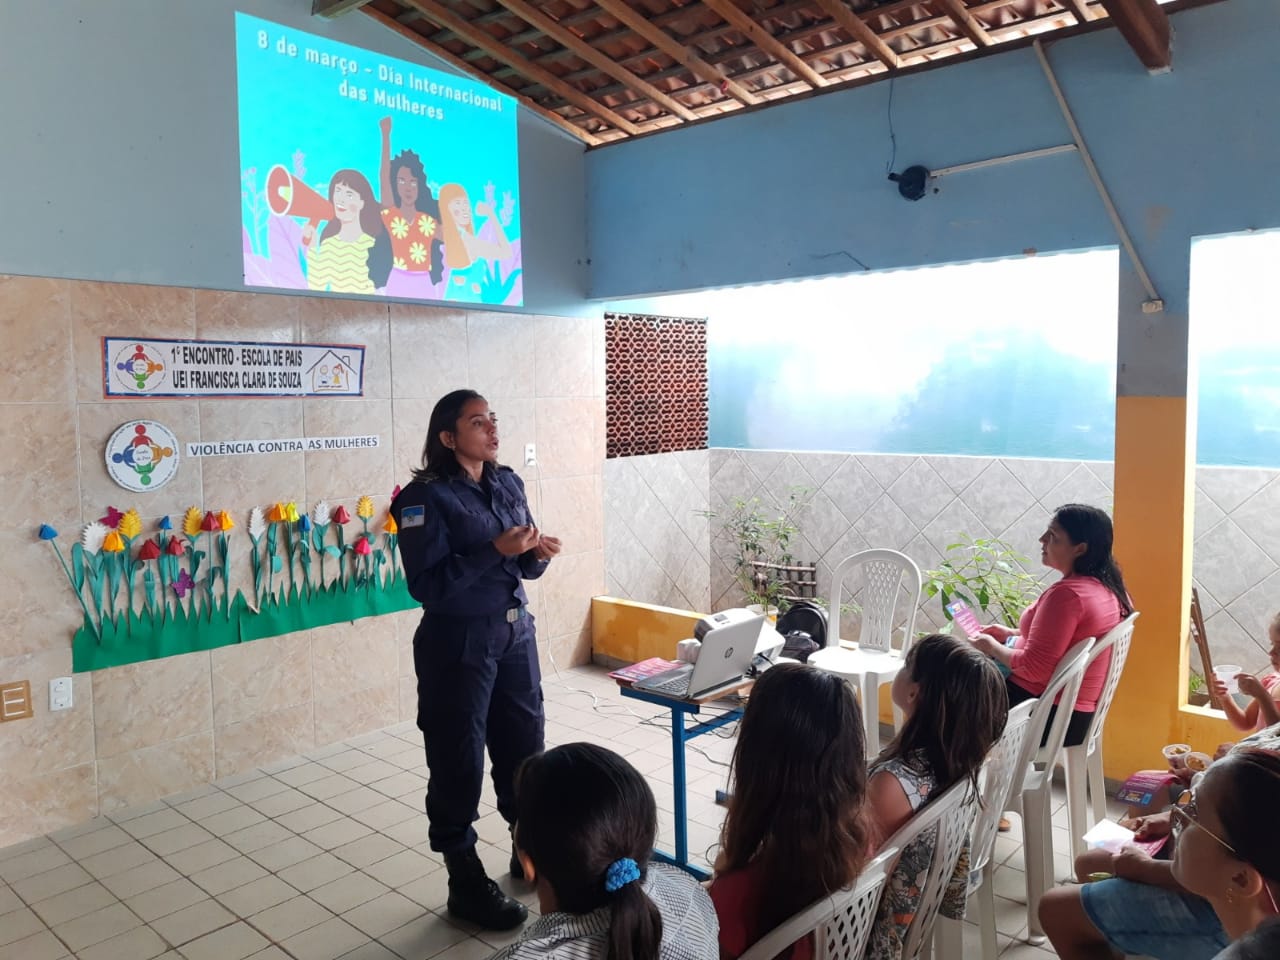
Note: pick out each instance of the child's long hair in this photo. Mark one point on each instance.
(800, 785)
(579, 809)
(959, 713)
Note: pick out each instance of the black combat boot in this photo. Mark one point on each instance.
(517, 868)
(476, 898)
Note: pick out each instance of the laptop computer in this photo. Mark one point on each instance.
(725, 654)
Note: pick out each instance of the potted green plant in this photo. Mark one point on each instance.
(988, 575)
(759, 545)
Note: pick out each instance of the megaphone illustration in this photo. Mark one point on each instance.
(289, 196)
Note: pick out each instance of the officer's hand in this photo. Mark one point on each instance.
(546, 548)
(516, 540)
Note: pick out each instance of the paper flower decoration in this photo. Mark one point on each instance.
(47, 532)
(149, 551)
(174, 547)
(341, 515)
(363, 547)
(92, 537)
(390, 525)
(257, 523)
(112, 519)
(364, 508)
(112, 542)
(210, 522)
(305, 524)
(276, 514)
(191, 522)
(224, 520)
(320, 513)
(183, 584)
(130, 524)
(164, 524)
(291, 512)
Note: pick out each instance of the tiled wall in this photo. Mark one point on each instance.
(919, 505)
(141, 731)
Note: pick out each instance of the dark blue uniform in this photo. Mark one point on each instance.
(475, 653)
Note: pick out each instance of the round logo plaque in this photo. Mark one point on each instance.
(142, 455)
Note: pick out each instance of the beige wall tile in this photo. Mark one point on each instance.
(40, 609)
(500, 354)
(143, 704)
(98, 421)
(334, 475)
(570, 649)
(347, 656)
(564, 356)
(408, 698)
(428, 352)
(140, 776)
(567, 437)
(236, 483)
(47, 741)
(260, 677)
(358, 322)
(357, 711)
(36, 364)
(516, 427)
(408, 434)
(572, 511)
(263, 739)
(47, 802)
(123, 310)
(246, 317)
(567, 589)
(39, 440)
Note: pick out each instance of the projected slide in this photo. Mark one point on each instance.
(360, 173)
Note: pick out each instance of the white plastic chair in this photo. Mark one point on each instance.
(1009, 755)
(1032, 797)
(841, 922)
(874, 662)
(950, 816)
(1083, 763)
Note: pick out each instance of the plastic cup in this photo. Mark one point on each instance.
(1226, 674)
(1175, 754)
(1198, 762)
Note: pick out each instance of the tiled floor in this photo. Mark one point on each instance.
(325, 856)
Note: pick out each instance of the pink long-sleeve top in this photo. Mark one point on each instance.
(1071, 610)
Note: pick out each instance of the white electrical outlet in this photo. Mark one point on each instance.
(60, 693)
(530, 455)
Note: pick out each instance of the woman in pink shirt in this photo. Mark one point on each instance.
(1089, 600)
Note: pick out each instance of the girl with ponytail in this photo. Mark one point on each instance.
(586, 825)
(1088, 601)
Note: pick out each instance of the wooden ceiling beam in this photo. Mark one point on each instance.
(601, 61)
(681, 53)
(966, 21)
(858, 28)
(1146, 26)
(729, 12)
(1079, 9)
(334, 8)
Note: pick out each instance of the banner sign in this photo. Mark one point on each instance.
(236, 448)
(141, 367)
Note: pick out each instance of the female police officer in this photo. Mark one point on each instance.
(467, 539)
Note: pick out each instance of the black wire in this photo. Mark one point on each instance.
(893, 139)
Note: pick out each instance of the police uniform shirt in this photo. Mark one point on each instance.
(446, 531)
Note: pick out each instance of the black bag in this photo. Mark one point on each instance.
(804, 630)
(798, 645)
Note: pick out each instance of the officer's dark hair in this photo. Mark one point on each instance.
(579, 809)
(437, 459)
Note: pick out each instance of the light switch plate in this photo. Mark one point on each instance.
(60, 693)
(530, 455)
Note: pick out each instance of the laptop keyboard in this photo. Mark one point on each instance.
(677, 686)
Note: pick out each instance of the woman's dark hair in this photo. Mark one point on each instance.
(959, 712)
(1263, 943)
(1248, 806)
(438, 460)
(800, 786)
(579, 809)
(1092, 527)
(426, 202)
(379, 259)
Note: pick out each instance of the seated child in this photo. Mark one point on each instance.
(797, 825)
(585, 827)
(955, 706)
(1264, 710)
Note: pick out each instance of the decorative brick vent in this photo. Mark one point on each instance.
(655, 384)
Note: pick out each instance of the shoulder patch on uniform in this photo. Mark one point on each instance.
(413, 517)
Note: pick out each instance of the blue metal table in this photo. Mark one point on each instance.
(680, 735)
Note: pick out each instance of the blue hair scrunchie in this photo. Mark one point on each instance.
(621, 872)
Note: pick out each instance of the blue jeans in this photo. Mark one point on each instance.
(1149, 921)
